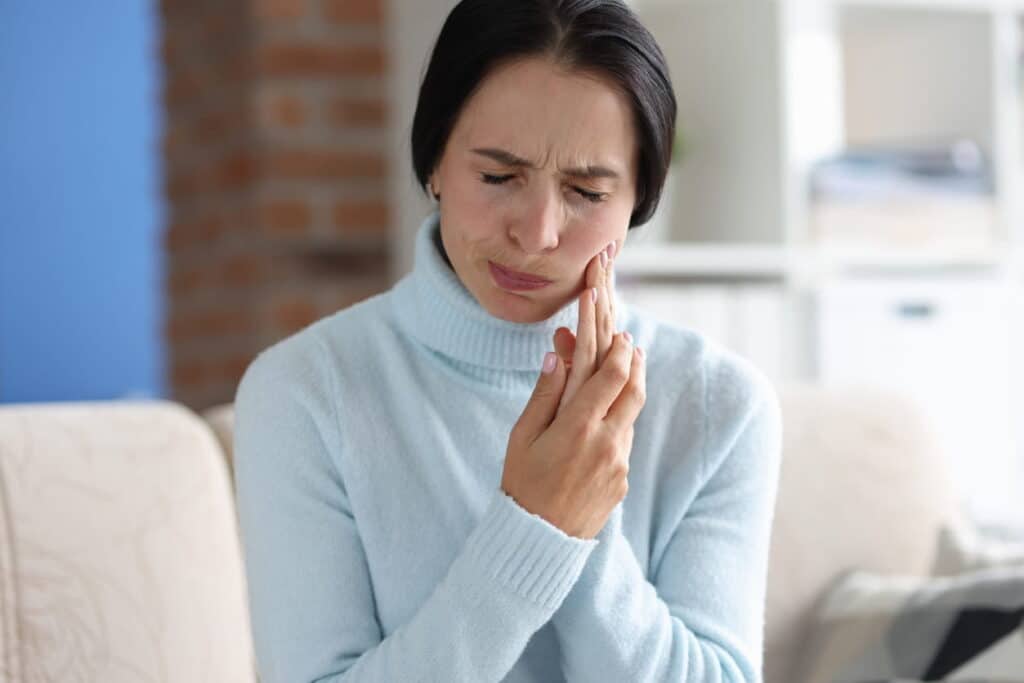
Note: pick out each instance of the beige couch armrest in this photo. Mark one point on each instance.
(127, 561)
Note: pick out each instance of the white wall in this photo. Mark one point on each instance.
(414, 27)
(916, 75)
(723, 58)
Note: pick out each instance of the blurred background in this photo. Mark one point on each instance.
(183, 184)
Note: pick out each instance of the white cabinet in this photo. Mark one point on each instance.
(749, 319)
(945, 342)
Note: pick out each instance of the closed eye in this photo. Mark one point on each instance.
(499, 179)
(591, 196)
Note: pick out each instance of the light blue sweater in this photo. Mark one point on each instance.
(379, 546)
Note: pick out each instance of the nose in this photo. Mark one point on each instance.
(537, 227)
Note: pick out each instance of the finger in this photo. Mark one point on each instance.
(612, 257)
(631, 399)
(605, 323)
(584, 358)
(596, 396)
(577, 366)
(565, 344)
(542, 407)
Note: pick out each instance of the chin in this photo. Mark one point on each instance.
(519, 309)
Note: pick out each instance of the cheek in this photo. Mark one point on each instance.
(595, 234)
(585, 242)
(473, 195)
(473, 211)
(466, 210)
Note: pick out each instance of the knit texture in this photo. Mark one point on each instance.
(379, 547)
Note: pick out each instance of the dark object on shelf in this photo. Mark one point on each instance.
(886, 172)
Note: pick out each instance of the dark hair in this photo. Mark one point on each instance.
(601, 37)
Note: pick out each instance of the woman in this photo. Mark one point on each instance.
(425, 494)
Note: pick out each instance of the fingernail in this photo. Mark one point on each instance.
(640, 350)
(593, 293)
(549, 362)
(628, 336)
(604, 258)
(611, 250)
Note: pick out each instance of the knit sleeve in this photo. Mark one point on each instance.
(699, 615)
(310, 589)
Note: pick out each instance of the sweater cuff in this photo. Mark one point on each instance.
(526, 554)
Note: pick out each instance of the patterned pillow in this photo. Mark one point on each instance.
(881, 629)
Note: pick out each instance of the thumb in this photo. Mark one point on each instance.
(540, 410)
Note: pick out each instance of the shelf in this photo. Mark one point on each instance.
(757, 261)
(919, 262)
(687, 260)
(965, 5)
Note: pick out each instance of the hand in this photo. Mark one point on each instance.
(584, 352)
(570, 465)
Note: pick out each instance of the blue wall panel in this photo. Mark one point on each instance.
(81, 212)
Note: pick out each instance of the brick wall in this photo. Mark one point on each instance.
(276, 176)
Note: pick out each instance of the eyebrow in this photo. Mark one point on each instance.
(509, 159)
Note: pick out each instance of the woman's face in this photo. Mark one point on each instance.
(538, 176)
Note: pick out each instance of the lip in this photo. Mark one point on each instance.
(515, 281)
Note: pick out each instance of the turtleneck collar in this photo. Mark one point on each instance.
(436, 308)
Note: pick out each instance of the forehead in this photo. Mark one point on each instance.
(539, 111)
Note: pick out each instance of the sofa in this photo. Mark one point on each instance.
(120, 558)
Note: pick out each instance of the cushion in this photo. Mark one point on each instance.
(221, 419)
(962, 549)
(873, 627)
(858, 465)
